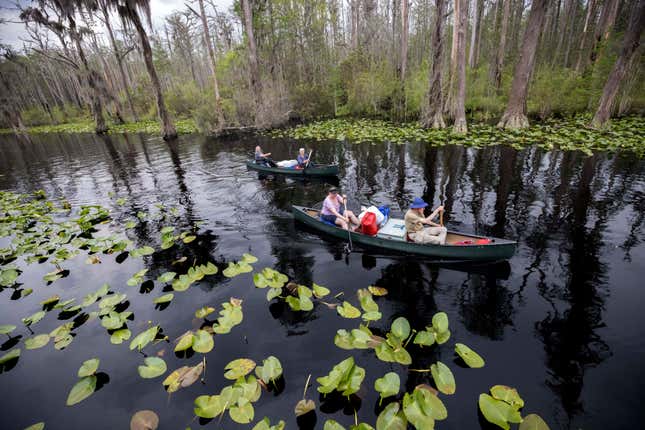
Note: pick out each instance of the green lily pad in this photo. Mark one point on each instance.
(144, 338)
(377, 291)
(332, 425)
(185, 341)
(270, 370)
(533, 422)
(166, 277)
(204, 311)
(166, 298)
(7, 328)
(37, 426)
(401, 328)
(345, 377)
(209, 406)
(508, 395)
(119, 336)
(265, 424)
(153, 367)
(202, 342)
(242, 413)
(440, 322)
(498, 412)
(320, 291)
(388, 385)
(443, 378)
(391, 418)
(81, 390)
(347, 310)
(9, 356)
(249, 259)
(50, 301)
(238, 368)
(88, 367)
(424, 338)
(36, 342)
(33, 319)
(137, 278)
(470, 357)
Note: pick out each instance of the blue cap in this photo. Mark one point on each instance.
(418, 203)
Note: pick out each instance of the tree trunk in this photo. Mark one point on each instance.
(433, 112)
(256, 84)
(498, 65)
(211, 54)
(404, 38)
(607, 18)
(119, 59)
(97, 105)
(591, 10)
(460, 102)
(474, 39)
(631, 41)
(168, 130)
(450, 99)
(354, 11)
(515, 115)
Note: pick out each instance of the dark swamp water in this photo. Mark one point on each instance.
(562, 322)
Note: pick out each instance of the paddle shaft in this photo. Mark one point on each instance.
(309, 158)
(441, 218)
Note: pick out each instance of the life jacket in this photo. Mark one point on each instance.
(368, 224)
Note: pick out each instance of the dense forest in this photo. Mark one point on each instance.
(264, 62)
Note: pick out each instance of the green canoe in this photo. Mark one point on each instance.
(317, 170)
(495, 250)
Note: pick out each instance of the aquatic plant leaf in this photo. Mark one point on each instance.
(33, 319)
(332, 425)
(81, 390)
(63, 341)
(430, 403)
(270, 370)
(119, 336)
(204, 311)
(111, 301)
(320, 291)
(173, 381)
(442, 337)
(166, 277)
(415, 414)
(112, 321)
(231, 271)
(166, 298)
(498, 412)
(144, 420)
(424, 338)
(53, 276)
(440, 322)
(137, 278)
(36, 342)
(242, 413)
(209, 269)
(8, 277)
(182, 283)
(238, 368)
(391, 418)
(508, 395)
(533, 422)
(372, 316)
(304, 406)
(209, 406)
(153, 367)
(265, 424)
(361, 426)
(26, 292)
(470, 357)
(50, 301)
(388, 385)
(189, 238)
(130, 224)
(88, 367)
(249, 259)
(192, 375)
(347, 310)
(37, 426)
(443, 378)
(11, 355)
(203, 341)
(345, 377)
(144, 338)
(93, 259)
(273, 293)
(367, 302)
(400, 328)
(377, 291)
(7, 328)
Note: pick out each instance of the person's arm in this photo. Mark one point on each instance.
(433, 215)
(266, 155)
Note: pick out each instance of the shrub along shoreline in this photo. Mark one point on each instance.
(625, 134)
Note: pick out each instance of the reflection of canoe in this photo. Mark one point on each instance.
(496, 249)
(318, 170)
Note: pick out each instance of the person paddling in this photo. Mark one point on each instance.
(303, 159)
(415, 221)
(262, 158)
(334, 211)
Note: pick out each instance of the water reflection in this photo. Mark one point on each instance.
(574, 217)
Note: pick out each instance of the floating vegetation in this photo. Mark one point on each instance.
(626, 133)
(183, 126)
(45, 232)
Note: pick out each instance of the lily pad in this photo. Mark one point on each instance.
(498, 412)
(144, 338)
(508, 395)
(36, 342)
(270, 370)
(185, 341)
(209, 406)
(238, 368)
(391, 418)
(304, 406)
(144, 420)
(533, 422)
(7, 328)
(119, 336)
(153, 367)
(443, 378)
(166, 298)
(388, 385)
(37, 426)
(332, 425)
(347, 310)
(88, 367)
(401, 328)
(377, 291)
(9, 356)
(470, 357)
(320, 291)
(166, 277)
(202, 342)
(242, 413)
(265, 424)
(204, 311)
(33, 319)
(249, 259)
(81, 390)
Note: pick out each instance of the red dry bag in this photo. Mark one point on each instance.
(368, 224)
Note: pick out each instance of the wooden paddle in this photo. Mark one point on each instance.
(441, 218)
(309, 158)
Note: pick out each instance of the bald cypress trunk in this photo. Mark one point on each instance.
(498, 64)
(631, 42)
(211, 55)
(433, 110)
(256, 84)
(515, 114)
(460, 103)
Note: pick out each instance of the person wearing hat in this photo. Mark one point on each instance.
(333, 210)
(415, 222)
